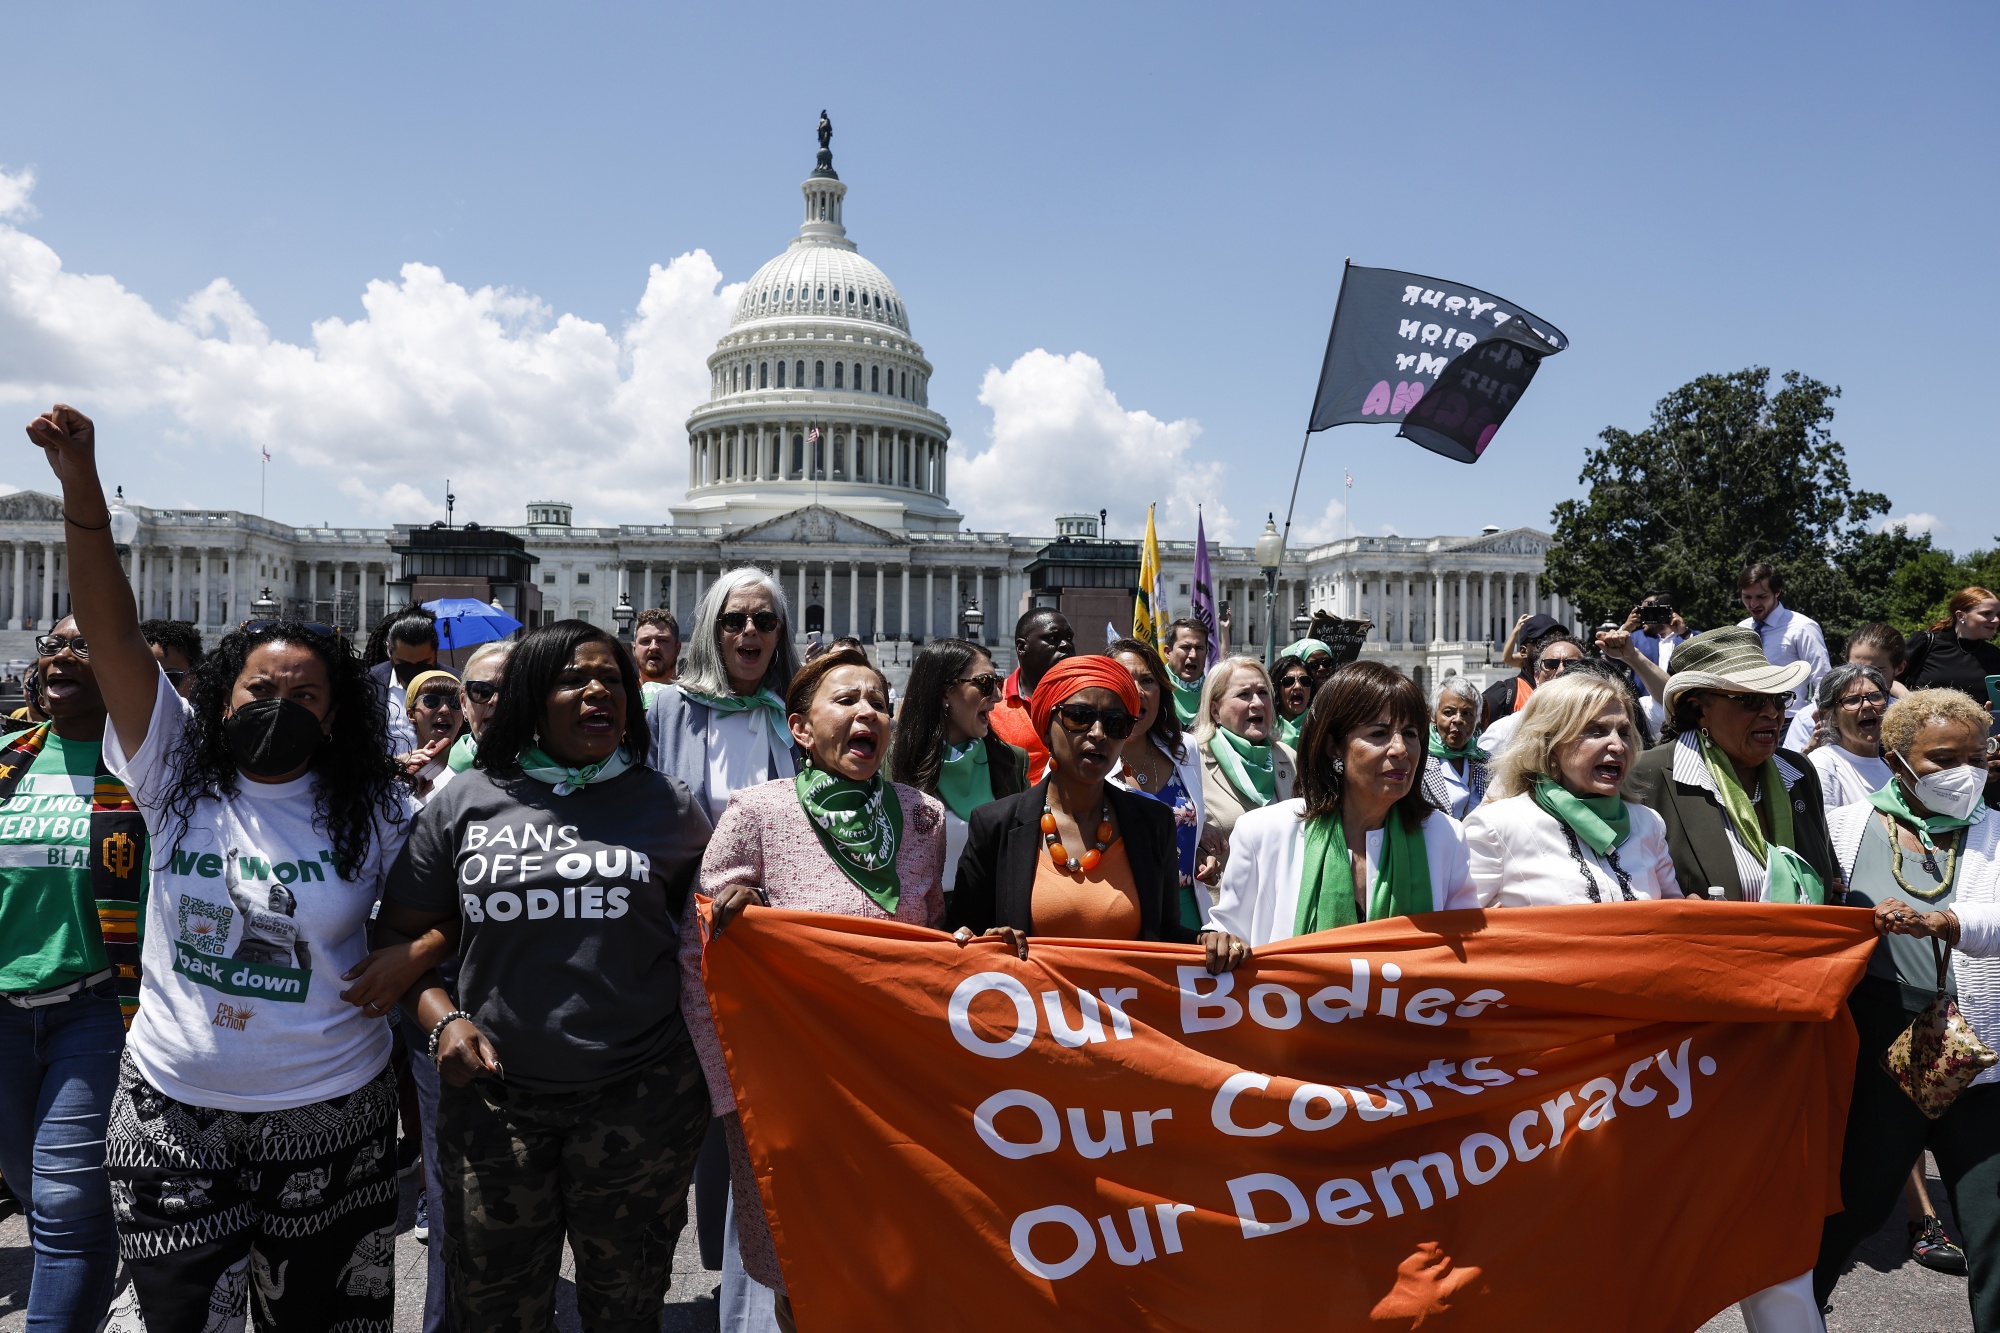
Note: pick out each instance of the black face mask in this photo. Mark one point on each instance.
(272, 736)
(408, 671)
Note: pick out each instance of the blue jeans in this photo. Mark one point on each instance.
(61, 1066)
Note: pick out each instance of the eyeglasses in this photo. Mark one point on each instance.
(1079, 718)
(48, 645)
(1854, 703)
(435, 699)
(480, 691)
(732, 622)
(987, 683)
(1759, 703)
(1555, 666)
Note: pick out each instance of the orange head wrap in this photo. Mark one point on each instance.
(1062, 681)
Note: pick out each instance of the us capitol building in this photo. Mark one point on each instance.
(817, 457)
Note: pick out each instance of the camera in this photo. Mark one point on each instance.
(1659, 613)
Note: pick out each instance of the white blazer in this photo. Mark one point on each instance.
(1258, 900)
(1520, 857)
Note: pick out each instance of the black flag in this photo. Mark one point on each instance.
(1446, 360)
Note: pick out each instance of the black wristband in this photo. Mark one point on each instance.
(87, 527)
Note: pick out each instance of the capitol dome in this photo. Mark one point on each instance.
(818, 393)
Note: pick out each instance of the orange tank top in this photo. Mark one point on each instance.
(1100, 905)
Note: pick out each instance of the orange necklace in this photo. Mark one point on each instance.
(1106, 835)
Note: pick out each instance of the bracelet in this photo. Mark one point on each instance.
(87, 527)
(431, 1049)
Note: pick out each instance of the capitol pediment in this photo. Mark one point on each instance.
(30, 504)
(814, 525)
(1519, 541)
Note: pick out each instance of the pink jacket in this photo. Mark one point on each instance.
(764, 839)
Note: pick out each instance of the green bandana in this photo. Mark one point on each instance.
(1289, 728)
(1890, 800)
(1187, 699)
(537, 765)
(1602, 822)
(861, 825)
(769, 715)
(964, 781)
(1305, 649)
(1251, 770)
(1326, 884)
(649, 690)
(1469, 750)
(1791, 877)
(461, 754)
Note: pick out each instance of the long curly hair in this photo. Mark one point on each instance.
(356, 780)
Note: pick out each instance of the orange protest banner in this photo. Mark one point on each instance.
(1548, 1118)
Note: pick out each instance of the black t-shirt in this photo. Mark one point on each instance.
(1940, 658)
(569, 904)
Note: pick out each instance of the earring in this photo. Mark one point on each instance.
(1340, 765)
(1704, 734)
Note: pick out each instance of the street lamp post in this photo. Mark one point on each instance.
(265, 607)
(1270, 557)
(1301, 623)
(973, 619)
(624, 614)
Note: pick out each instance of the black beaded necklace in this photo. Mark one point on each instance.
(1583, 868)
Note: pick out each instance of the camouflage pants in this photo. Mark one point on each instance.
(608, 1168)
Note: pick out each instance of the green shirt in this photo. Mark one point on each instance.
(49, 931)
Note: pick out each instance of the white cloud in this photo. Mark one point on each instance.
(510, 399)
(1329, 526)
(1916, 523)
(1061, 442)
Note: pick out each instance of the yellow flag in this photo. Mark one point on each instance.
(1149, 616)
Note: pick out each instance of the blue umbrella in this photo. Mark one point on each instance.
(463, 622)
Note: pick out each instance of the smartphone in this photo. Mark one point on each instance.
(1993, 691)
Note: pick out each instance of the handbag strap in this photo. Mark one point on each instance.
(1942, 952)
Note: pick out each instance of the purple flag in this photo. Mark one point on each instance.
(1202, 604)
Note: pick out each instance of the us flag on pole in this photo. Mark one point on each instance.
(812, 433)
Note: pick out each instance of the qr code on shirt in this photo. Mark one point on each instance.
(205, 925)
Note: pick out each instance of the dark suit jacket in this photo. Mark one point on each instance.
(1697, 826)
(1003, 845)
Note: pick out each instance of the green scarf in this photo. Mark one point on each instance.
(649, 690)
(1187, 699)
(1305, 649)
(1791, 877)
(964, 781)
(1252, 770)
(1469, 750)
(1289, 728)
(538, 765)
(461, 754)
(1603, 822)
(861, 825)
(1891, 801)
(1326, 884)
(769, 716)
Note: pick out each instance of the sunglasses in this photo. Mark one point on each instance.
(1080, 718)
(732, 622)
(987, 683)
(436, 699)
(1555, 666)
(480, 691)
(48, 645)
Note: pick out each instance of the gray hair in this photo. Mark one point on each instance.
(500, 649)
(1216, 683)
(1826, 699)
(1461, 687)
(702, 671)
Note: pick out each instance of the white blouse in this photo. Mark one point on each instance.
(1521, 858)
(1258, 900)
(1845, 778)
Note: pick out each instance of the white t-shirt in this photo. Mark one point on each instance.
(248, 930)
(738, 756)
(1845, 778)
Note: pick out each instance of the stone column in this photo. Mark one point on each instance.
(930, 603)
(697, 583)
(903, 623)
(14, 616)
(854, 598)
(339, 586)
(202, 597)
(646, 583)
(1437, 634)
(880, 598)
(953, 614)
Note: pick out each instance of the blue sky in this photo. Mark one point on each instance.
(1166, 190)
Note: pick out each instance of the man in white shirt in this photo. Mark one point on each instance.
(1786, 635)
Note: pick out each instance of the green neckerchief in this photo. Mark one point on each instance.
(1326, 883)
(1469, 750)
(538, 765)
(461, 754)
(964, 781)
(769, 716)
(1252, 770)
(1789, 877)
(1289, 728)
(649, 690)
(861, 825)
(1890, 800)
(1603, 822)
(1187, 699)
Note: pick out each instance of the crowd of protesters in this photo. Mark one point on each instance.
(306, 896)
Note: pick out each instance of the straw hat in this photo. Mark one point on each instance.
(1732, 660)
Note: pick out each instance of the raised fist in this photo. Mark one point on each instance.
(68, 438)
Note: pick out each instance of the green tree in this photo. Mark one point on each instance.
(1727, 473)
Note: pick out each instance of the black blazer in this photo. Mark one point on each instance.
(1697, 825)
(1003, 845)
